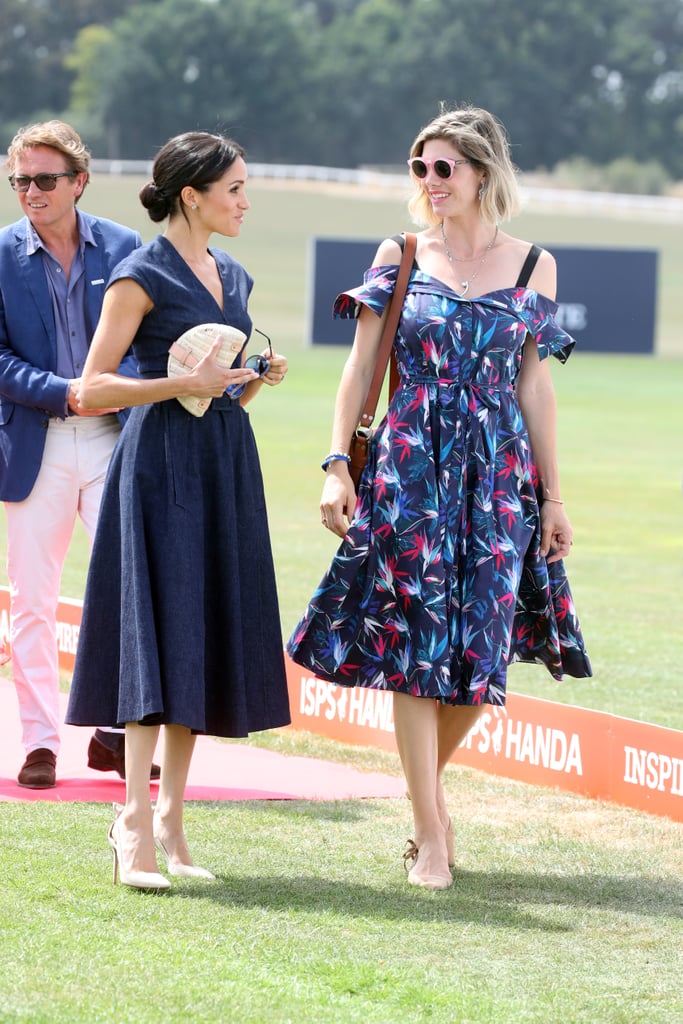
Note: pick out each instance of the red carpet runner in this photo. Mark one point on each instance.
(219, 771)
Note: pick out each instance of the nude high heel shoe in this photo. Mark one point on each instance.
(181, 870)
(450, 842)
(135, 879)
(410, 857)
(412, 851)
(429, 881)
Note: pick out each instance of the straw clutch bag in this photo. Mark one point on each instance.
(185, 353)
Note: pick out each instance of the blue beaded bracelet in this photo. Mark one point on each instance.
(334, 457)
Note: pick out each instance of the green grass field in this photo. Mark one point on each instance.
(563, 910)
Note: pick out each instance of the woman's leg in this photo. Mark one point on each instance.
(453, 725)
(179, 745)
(135, 835)
(416, 725)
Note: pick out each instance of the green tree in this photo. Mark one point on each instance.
(600, 79)
(368, 71)
(35, 38)
(214, 64)
(642, 88)
(350, 82)
(532, 63)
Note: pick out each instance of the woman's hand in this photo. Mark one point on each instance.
(277, 371)
(338, 499)
(556, 532)
(209, 380)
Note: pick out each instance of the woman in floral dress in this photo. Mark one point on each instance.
(451, 562)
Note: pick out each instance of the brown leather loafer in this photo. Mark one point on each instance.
(106, 753)
(39, 770)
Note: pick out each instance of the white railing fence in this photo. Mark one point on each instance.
(665, 207)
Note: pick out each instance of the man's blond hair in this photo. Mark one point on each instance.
(56, 135)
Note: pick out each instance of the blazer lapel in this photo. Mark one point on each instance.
(95, 277)
(35, 277)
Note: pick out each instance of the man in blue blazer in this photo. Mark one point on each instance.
(54, 266)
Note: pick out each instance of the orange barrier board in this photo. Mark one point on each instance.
(537, 741)
(541, 742)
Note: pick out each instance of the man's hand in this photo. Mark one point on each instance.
(74, 402)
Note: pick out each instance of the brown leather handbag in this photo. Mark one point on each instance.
(361, 440)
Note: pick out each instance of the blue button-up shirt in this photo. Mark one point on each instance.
(68, 301)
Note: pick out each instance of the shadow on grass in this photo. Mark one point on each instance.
(498, 899)
(310, 894)
(627, 894)
(350, 810)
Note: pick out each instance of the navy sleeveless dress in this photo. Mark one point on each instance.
(438, 584)
(180, 621)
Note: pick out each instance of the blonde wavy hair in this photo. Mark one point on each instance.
(56, 135)
(481, 138)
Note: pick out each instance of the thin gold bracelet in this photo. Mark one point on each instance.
(558, 501)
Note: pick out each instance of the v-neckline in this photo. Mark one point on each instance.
(199, 281)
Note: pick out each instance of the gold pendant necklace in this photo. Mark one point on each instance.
(465, 285)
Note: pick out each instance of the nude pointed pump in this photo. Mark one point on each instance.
(429, 881)
(181, 870)
(135, 879)
(410, 857)
(412, 851)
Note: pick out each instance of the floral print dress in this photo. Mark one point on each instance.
(438, 584)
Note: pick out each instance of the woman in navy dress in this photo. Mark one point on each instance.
(180, 624)
(450, 566)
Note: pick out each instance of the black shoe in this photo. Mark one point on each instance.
(106, 753)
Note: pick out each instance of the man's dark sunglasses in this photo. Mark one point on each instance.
(45, 182)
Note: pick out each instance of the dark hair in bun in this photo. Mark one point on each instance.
(194, 158)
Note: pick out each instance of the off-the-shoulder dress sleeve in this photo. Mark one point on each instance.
(537, 313)
(375, 292)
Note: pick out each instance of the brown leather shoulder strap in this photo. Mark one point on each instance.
(389, 332)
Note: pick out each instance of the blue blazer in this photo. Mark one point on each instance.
(30, 390)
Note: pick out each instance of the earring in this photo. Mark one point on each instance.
(482, 189)
(194, 206)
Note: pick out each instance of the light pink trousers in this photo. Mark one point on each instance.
(39, 530)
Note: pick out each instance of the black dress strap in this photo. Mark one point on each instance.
(401, 242)
(528, 266)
